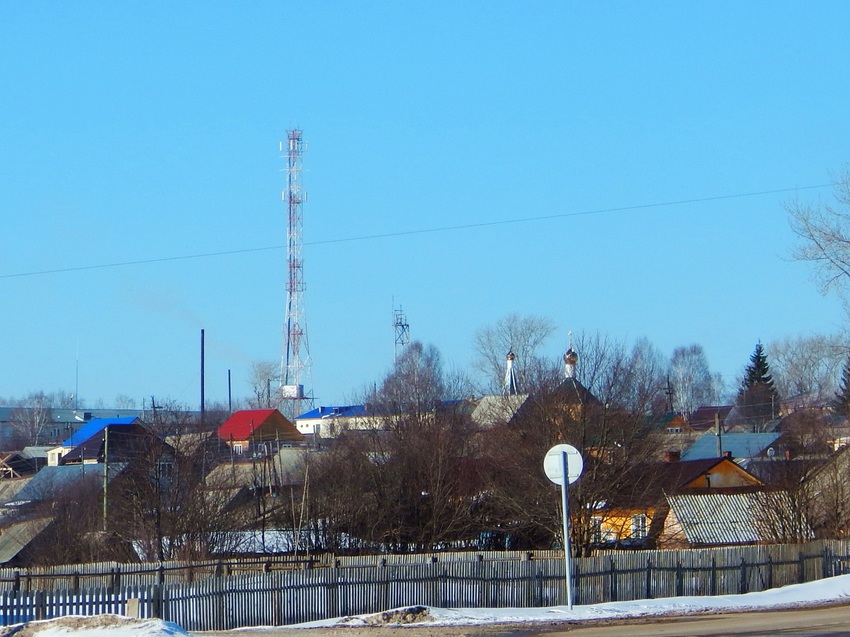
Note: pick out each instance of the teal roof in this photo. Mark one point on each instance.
(740, 445)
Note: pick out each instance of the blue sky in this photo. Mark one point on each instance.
(141, 131)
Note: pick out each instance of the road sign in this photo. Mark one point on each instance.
(552, 464)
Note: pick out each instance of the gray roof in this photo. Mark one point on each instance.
(50, 481)
(15, 537)
(493, 410)
(717, 518)
(740, 445)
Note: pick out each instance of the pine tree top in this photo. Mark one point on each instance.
(758, 371)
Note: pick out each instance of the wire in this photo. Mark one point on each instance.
(404, 233)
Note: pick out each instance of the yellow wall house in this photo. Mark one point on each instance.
(638, 518)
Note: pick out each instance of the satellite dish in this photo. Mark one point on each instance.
(771, 452)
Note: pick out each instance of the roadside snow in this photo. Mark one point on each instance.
(832, 590)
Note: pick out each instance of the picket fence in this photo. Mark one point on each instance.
(374, 584)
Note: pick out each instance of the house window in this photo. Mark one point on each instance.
(638, 526)
(237, 448)
(602, 533)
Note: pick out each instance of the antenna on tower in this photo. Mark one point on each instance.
(295, 359)
(402, 331)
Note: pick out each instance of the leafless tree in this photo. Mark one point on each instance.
(823, 229)
(522, 335)
(691, 380)
(608, 426)
(409, 481)
(264, 378)
(808, 366)
(32, 415)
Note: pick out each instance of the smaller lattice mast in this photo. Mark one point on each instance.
(402, 331)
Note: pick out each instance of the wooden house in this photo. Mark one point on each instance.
(260, 431)
(638, 518)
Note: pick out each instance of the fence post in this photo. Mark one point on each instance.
(680, 579)
(712, 582)
(612, 591)
(825, 566)
(648, 588)
(801, 568)
(770, 571)
(742, 585)
(16, 583)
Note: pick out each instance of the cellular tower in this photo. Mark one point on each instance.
(295, 360)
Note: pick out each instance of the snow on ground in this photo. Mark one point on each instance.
(832, 590)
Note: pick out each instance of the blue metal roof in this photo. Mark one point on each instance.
(345, 411)
(94, 427)
(740, 445)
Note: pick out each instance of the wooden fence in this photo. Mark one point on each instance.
(279, 597)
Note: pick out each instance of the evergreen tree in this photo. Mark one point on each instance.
(758, 371)
(758, 399)
(841, 402)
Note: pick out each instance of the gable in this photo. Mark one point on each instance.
(94, 427)
(259, 425)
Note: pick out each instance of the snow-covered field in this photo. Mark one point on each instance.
(832, 590)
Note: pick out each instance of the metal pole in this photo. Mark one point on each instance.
(565, 502)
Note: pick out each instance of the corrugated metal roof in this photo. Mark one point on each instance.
(740, 445)
(48, 482)
(94, 427)
(15, 537)
(717, 518)
(338, 411)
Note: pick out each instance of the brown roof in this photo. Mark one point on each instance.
(703, 418)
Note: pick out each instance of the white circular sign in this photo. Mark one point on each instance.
(553, 464)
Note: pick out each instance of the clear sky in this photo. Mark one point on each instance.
(142, 131)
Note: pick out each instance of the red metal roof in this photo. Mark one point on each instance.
(242, 424)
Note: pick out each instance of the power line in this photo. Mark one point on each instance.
(404, 233)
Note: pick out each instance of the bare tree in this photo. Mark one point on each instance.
(31, 417)
(409, 481)
(691, 381)
(824, 233)
(264, 377)
(607, 425)
(808, 366)
(522, 335)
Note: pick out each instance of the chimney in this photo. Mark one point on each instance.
(727, 454)
(672, 456)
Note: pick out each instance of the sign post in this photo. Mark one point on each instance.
(563, 465)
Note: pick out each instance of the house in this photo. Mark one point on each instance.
(88, 433)
(258, 431)
(330, 421)
(115, 440)
(638, 518)
(741, 446)
(709, 417)
(731, 518)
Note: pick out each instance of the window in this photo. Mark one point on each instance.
(639, 526)
(237, 448)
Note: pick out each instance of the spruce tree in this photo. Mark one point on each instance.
(841, 402)
(758, 399)
(758, 371)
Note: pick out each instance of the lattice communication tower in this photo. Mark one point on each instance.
(295, 360)
(402, 332)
